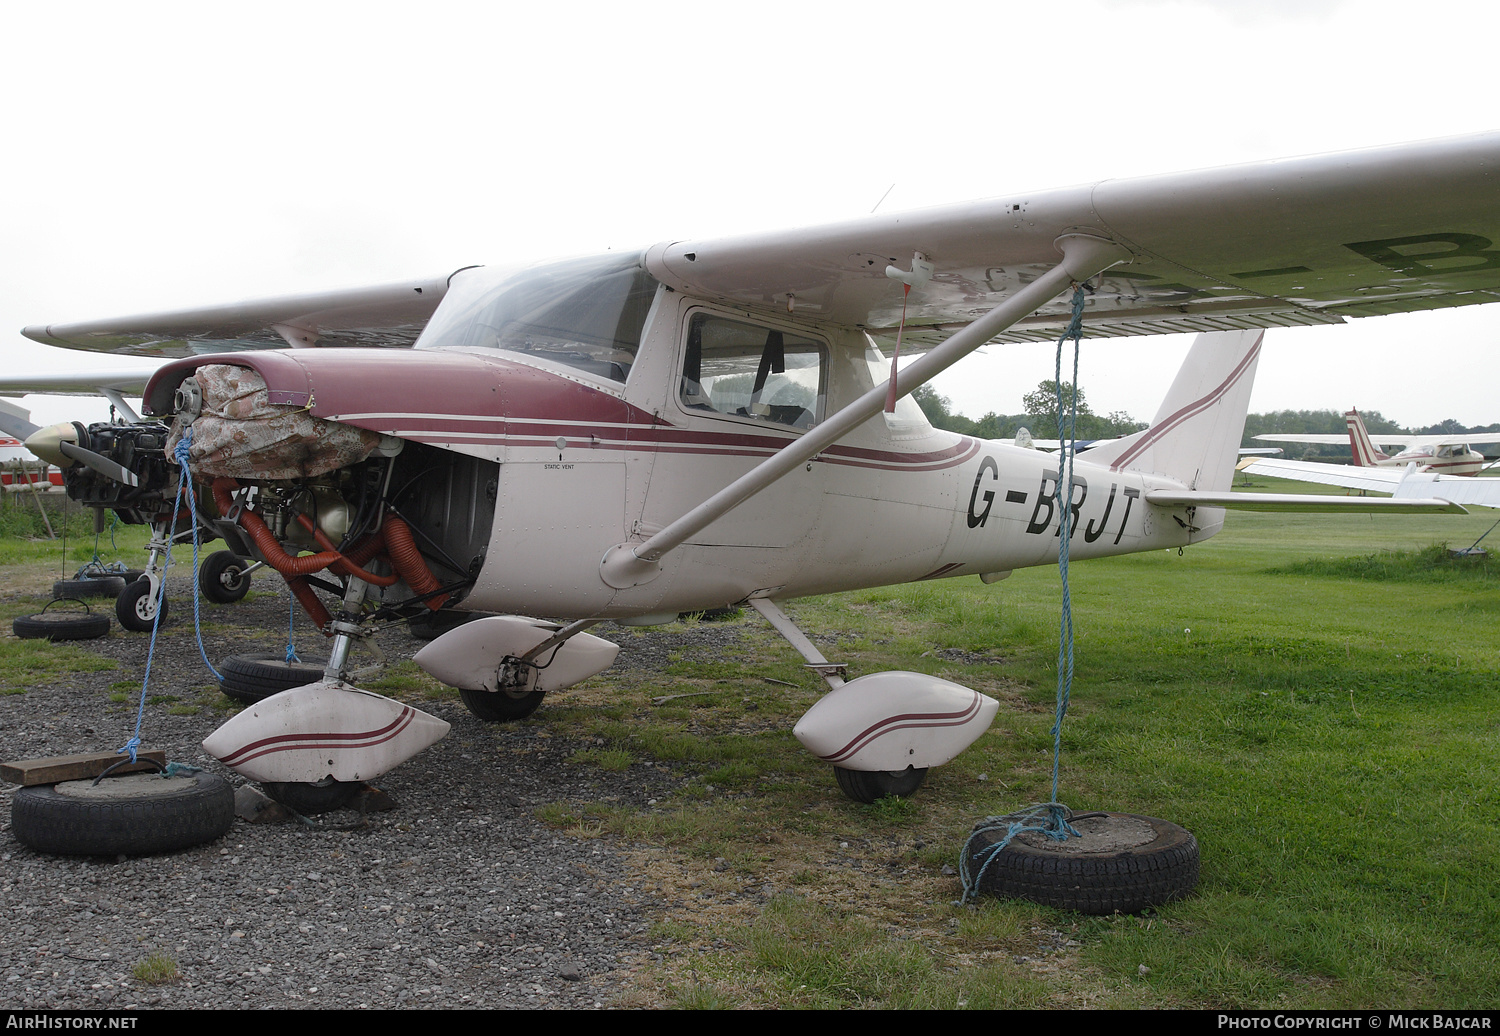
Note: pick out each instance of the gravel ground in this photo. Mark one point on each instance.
(459, 897)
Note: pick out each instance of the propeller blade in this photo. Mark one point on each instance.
(98, 462)
(15, 421)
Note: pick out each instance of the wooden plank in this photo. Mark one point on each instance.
(58, 768)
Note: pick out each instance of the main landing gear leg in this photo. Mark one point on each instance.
(860, 785)
(833, 672)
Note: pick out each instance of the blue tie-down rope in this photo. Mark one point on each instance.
(1049, 818)
(184, 485)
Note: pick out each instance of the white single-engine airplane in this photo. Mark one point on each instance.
(709, 422)
(1441, 454)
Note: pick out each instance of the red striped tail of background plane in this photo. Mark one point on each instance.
(1365, 453)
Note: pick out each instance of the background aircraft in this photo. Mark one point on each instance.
(1451, 454)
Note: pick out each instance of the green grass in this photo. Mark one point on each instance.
(1315, 697)
(24, 539)
(156, 970)
(25, 663)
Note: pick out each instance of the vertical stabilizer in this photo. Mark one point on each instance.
(1195, 436)
(1365, 453)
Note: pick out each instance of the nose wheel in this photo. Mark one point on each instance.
(137, 605)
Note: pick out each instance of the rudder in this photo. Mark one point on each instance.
(1195, 437)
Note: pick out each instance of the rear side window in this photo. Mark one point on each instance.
(745, 370)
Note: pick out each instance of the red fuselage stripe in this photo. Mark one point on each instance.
(906, 721)
(1192, 409)
(298, 742)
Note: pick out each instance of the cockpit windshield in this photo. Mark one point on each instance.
(584, 313)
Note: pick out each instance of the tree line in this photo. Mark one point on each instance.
(1040, 419)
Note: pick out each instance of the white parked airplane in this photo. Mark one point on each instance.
(1401, 484)
(1441, 454)
(706, 422)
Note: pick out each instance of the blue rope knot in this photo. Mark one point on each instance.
(1048, 818)
(134, 743)
(291, 620)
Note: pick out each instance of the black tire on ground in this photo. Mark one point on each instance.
(222, 577)
(1124, 864)
(869, 785)
(135, 608)
(499, 707)
(135, 814)
(132, 574)
(61, 625)
(97, 586)
(310, 799)
(249, 678)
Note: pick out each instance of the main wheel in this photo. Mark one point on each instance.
(1123, 863)
(309, 799)
(249, 678)
(136, 607)
(222, 577)
(869, 785)
(498, 707)
(137, 813)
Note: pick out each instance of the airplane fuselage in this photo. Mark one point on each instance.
(893, 502)
(565, 454)
(1443, 460)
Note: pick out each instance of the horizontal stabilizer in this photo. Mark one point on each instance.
(1302, 504)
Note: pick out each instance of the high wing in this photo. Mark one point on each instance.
(1386, 439)
(113, 383)
(130, 381)
(1302, 241)
(1402, 484)
(384, 315)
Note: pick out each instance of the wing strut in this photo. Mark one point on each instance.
(833, 672)
(1084, 256)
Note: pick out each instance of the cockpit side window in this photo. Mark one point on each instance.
(745, 370)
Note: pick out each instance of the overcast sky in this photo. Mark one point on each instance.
(165, 155)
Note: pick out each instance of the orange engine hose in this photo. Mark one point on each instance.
(346, 565)
(265, 540)
(303, 591)
(395, 537)
(407, 560)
